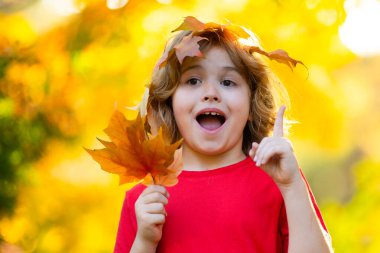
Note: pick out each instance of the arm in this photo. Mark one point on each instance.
(275, 155)
(150, 216)
(139, 246)
(306, 234)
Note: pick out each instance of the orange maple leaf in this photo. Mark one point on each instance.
(278, 55)
(191, 23)
(136, 156)
(283, 57)
(188, 47)
(164, 58)
(233, 33)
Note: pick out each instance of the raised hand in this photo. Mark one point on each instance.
(275, 155)
(151, 214)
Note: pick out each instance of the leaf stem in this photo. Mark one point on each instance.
(154, 181)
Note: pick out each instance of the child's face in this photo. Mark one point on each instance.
(211, 104)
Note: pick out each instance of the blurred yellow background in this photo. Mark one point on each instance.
(64, 64)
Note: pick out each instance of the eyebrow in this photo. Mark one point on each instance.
(197, 66)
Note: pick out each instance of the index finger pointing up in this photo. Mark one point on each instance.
(278, 130)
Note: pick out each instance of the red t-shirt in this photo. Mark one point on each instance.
(237, 208)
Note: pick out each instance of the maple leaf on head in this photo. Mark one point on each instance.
(278, 55)
(283, 57)
(135, 156)
(231, 32)
(188, 47)
(190, 23)
(163, 59)
(238, 31)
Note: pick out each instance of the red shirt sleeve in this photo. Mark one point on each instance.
(284, 231)
(127, 227)
(284, 226)
(317, 211)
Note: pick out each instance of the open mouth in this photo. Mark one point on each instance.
(211, 120)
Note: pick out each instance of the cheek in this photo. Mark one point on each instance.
(176, 102)
(181, 106)
(242, 105)
(247, 103)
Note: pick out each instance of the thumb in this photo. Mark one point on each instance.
(253, 150)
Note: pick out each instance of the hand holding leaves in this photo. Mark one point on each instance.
(135, 156)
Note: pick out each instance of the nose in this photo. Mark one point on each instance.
(210, 93)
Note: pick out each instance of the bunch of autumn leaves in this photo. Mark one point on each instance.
(136, 155)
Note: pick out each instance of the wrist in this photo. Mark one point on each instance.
(142, 244)
(297, 184)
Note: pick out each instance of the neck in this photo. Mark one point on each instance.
(193, 160)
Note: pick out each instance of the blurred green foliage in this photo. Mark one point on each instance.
(24, 127)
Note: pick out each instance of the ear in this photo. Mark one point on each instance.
(250, 116)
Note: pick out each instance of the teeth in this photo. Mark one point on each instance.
(212, 113)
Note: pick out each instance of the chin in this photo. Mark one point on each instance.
(212, 151)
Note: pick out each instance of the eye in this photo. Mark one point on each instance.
(193, 81)
(228, 83)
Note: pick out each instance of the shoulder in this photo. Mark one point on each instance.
(132, 194)
(257, 174)
(261, 183)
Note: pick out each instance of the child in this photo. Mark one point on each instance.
(241, 189)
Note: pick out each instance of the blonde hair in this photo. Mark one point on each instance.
(264, 89)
